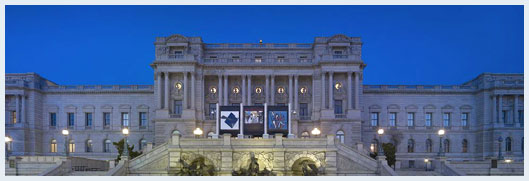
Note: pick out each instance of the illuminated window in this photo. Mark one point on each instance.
(53, 146)
(258, 90)
(305, 134)
(71, 146)
(213, 90)
(281, 90)
(236, 90)
(14, 117)
(374, 146)
(258, 59)
(338, 86)
(178, 85)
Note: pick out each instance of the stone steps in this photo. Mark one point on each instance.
(89, 173)
(415, 172)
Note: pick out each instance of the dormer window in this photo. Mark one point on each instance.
(258, 59)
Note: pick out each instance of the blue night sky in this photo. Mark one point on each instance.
(402, 44)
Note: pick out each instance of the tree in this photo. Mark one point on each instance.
(132, 154)
(389, 152)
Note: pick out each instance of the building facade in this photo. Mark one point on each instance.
(322, 81)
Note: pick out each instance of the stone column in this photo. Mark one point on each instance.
(267, 88)
(226, 90)
(193, 90)
(219, 89)
(349, 91)
(184, 86)
(331, 91)
(494, 110)
(23, 111)
(296, 91)
(357, 90)
(17, 108)
(273, 91)
(500, 110)
(160, 97)
(166, 86)
(323, 101)
(243, 89)
(249, 90)
(290, 89)
(515, 119)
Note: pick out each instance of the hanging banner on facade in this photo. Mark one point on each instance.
(253, 120)
(277, 119)
(229, 120)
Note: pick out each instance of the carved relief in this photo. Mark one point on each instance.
(317, 156)
(212, 158)
(242, 160)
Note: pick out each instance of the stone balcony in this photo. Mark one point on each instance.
(258, 46)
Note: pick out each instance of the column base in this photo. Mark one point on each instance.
(240, 136)
(291, 136)
(266, 136)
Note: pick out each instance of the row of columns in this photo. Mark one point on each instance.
(350, 91)
(20, 107)
(498, 108)
(166, 87)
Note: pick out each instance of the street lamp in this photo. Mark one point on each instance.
(125, 132)
(500, 156)
(441, 133)
(426, 162)
(7, 139)
(65, 133)
(316, 132)
(380, 150)
(198, 132)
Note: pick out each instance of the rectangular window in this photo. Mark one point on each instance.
(392, 119)
(71, 119)
(106, 119)
(53, 147)
(88, 119)
(71, 147)
(411, 119)
(125, 119)
(503, 116)
(14, 117)
(338, 52)
(464, 119)
(258, 59)
(428, 119)
(520, 116)
(281, 59)
(338, 107)
(212, 110)
(446, 119)
(53, 119)
(303, 109)
(411, 164)
(143, 119)
(179, 52)
(374, 119)
(177, 107)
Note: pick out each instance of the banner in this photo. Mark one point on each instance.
(278, 119)
(229, 120)
(253, 120)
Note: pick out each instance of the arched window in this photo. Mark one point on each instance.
(340, 136)
(106, 146)
(508, 144)
(210, 134)
(374, 146)
(71, 146)
(446, 145)
(411, 146)
(429, 146)
(143, 144)
(88, 147)
(465, 145)
(175, 132)
(53, 146)
(305, 134)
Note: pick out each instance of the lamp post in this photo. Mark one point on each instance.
(197, 132)
(65, 133)
(380, 150)
(500, 140)
(125, 132)
(426, 162)
(316, 132)
(441, 133)
(7, 139)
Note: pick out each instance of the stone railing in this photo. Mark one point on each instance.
(85, 164)
(448, 170)
(264, 61)
(100, 88)
(121, 169)
(364, 159)
(417, 88)
(61, 169)
(258, 46)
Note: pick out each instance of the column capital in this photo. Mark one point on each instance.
(349, 73)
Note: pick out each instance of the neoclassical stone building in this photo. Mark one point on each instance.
(322, 81)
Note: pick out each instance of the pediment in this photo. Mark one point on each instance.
(374, 107)
(393, 106)
(429, 106)
(142, 106)
(124, 106)
(106, 106)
